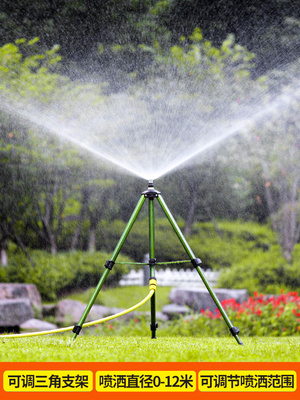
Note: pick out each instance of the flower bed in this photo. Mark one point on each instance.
(263, 315)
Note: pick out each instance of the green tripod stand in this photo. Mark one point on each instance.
(152, 194)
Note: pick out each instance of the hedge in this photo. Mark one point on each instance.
(55, 275)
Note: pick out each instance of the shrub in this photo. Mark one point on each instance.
(167, 245)
(235, 241)
(266, 272)
(55, 275)
(238, 241)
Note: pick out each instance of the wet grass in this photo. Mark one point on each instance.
(60, 348)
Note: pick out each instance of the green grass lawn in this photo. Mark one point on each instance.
(60, 348)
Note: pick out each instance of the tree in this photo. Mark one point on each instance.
(282, 182)
(81, 27)
(39, 172)
(15, 185)
(22, 77)
(273, 147)
(204, 192)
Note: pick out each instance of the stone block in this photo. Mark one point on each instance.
(69, 311)
(49, 310)
(14, 312)
(98, 312)
(21, 290)
(200, 299)
(36, 325)
(174, 311)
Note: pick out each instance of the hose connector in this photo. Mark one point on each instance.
(152, 284)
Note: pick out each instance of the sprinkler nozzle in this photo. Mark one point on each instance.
(151, 192)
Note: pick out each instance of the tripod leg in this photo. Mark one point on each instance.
(152, 263)
(109, 264)
(196, 263)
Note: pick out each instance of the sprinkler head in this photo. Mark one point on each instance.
(151, 193)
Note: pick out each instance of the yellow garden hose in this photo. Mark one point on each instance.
(152, 288)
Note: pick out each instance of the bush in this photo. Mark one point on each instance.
(234, 241)
(266, 272)
(55, 275)
(167, 245)
(237, 241)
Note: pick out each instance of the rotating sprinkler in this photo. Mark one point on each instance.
(151, 194)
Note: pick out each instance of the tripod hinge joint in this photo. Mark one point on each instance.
(109, 264)
(151, 193)
(234, 330)
(196, 262)
(77, 329)
(153, 326)
(152, 262)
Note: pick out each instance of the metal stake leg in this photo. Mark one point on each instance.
(109, 265)
(196, 263)
(152, 263)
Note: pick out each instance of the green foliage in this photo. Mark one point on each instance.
(61, 273)
(246, 253)
(233, 242)
(30, 76)
(131, 21)
(199, 58)
(167, 245)
(264, 271)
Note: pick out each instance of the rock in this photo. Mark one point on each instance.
(174, 310)
(14, 312)
(98, 311)
(200, 299)
(49, 310)
(36, 325)
(24, 291)
(160, 316)
(20, 290)
(69, 311)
